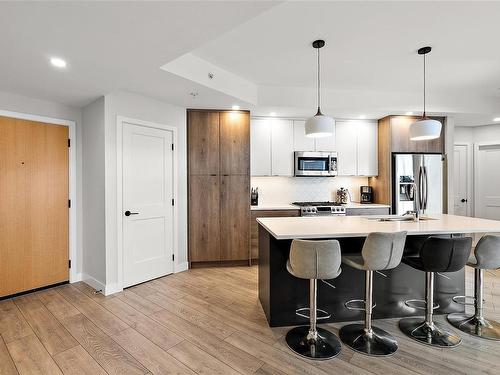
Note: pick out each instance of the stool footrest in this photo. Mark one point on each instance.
(320, 314)
(413, 303)
(462, 300)
(348, 305)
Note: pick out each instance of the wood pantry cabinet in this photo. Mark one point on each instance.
(218, 144)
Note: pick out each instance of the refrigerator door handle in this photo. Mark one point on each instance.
(420, 188)
(426, 180)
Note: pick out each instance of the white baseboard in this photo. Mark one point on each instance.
(96, 284)
(181, 267)
(112, 289)
(78, 277)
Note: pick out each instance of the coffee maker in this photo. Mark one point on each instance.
(366, 194)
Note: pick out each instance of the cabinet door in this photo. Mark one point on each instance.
(260, 147)
(235, 216)
(400, 137)
(367, 148)
(234, 143)
(300, 141)
(203, 142)
(282, 147)
(327, 143)
(347, 148)
(204, 218)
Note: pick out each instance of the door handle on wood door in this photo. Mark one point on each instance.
(128, 213)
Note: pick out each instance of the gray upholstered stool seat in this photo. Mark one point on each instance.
(381, 251)
(437, 254)
(314, 260)
(486, 256)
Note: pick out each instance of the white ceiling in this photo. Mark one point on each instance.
(109, 46)
(370, 65)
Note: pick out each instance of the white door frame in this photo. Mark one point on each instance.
(73, 275)
(470, 177)
(120, 120)
(477, 145)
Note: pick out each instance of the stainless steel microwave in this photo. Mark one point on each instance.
(315, 164)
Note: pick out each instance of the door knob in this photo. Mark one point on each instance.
(463, 200)
(128, 213)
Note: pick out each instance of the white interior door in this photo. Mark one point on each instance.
(461, 175)
(487, 181)
(147, 203)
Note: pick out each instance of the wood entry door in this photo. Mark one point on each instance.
(34, 193)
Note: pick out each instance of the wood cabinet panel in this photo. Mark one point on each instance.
(204, 218)
(254, 226)
(234, 142)
(234, 217)
(203, 142)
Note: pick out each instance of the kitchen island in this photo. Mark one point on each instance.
(281, 294)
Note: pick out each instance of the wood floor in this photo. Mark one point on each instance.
(204, 321)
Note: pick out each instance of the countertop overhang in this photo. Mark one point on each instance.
(361, 226)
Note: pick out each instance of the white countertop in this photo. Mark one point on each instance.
(361, 226)
(283, 206)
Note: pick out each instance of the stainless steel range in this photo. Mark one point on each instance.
(320, 208)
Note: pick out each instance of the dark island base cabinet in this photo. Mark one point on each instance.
(254, 226)
(281, 294)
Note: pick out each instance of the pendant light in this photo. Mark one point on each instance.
(425, 128)
(319, 125)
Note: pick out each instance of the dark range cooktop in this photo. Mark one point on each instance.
(327, 203)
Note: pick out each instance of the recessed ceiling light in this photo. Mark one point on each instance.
(272, 114)
(362, 117)
(58, 62)
(235, 107)
(496, 119)
(409, 113)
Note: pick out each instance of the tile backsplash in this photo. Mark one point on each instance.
(284, 190)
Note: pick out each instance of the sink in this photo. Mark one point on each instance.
(397, 218)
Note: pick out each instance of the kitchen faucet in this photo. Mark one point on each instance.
(416, 204)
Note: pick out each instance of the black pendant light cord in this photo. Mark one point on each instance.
(424, 116)
(319, 90)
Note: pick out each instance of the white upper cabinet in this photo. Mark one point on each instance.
(281, 147)
(260, 147)
(347, 135)
(274, 140)
(357, 145)
(367, 148)
(300, 141)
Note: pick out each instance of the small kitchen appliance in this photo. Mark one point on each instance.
(366, 194)
(315, 164)
(320, 208)
(343, 196)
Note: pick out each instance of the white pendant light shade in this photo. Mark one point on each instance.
(425, 129)
(319, 126)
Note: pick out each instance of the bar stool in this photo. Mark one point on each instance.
(486, 256)
(436, 255)
(381, 251)
(314, 260)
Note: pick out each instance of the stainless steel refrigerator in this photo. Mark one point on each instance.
(420, 177)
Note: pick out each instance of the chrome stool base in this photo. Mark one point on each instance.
(428, 334)
(325, 346)
(484, 328)
(378, 343)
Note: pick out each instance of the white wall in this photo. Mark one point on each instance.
(146, 109)
(285, 190)
(27, 105)
(472, 134)
(94, 238)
